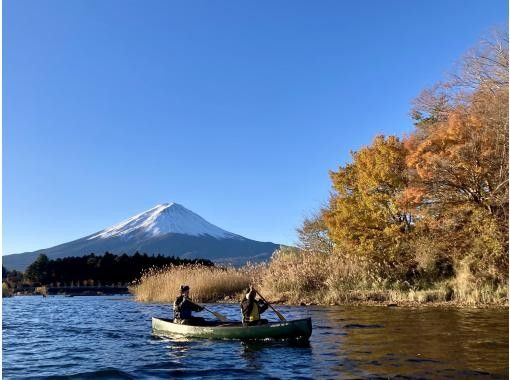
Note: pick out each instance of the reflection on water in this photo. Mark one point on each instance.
(425, 342)
(100, 337)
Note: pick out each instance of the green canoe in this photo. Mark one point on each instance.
(298, 329)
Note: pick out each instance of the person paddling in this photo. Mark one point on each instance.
(183, 308)
(252, 308)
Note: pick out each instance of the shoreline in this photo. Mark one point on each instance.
(452, 305)
(406, 304)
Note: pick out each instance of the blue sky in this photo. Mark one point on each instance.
(235, 109)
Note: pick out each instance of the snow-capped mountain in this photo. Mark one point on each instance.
(168, 229)
(163, 219)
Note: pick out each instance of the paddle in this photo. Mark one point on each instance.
(221, 317)
(282, 318)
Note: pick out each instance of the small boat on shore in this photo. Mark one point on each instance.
(297, 329)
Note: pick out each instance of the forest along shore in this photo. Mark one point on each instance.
(421, 219)
(86, 275)
(67, 291)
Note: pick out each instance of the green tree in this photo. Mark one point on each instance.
(38, 271)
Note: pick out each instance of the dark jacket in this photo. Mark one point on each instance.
(247, 307)
(183, 308)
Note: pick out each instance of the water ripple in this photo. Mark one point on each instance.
(110, 338)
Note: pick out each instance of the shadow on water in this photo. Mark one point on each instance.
(254, 345)
(231, 358)
(252, 351)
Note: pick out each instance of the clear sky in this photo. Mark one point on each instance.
(234, 109)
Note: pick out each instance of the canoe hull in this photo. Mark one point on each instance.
(298, 329)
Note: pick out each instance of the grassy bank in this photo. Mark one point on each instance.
(294, 277)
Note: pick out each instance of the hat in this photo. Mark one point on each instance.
(184, 288)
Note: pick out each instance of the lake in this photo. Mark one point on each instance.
(110, 337)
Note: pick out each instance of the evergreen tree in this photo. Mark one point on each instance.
(37, 272)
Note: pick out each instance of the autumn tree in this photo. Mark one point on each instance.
(458, 160)
(313, 235)
(365, 215)
(432, 207)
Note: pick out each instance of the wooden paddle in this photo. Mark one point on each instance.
(282, 318)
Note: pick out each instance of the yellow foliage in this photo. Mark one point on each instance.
(365, 214)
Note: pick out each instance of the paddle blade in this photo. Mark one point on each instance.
(282, 318)
(221, 317)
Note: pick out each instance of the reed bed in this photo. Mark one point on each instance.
(207, 284)
(297, 277)
(294, 276)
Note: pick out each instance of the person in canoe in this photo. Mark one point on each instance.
(252, 308)
(184, 307)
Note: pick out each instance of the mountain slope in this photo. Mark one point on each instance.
(168, 229)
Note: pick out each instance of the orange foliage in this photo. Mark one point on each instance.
(446, 183)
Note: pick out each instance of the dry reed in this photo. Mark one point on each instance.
(294, 276)
(206, 283)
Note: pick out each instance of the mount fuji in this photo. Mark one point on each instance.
(168, 229)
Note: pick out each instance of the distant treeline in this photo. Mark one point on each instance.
(92, 269)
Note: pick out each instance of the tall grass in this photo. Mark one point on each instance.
(206, 283)
(472, 290)
(294, 276)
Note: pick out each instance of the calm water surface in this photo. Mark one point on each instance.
(110, 337)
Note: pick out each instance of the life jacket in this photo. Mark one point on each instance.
(254, 314)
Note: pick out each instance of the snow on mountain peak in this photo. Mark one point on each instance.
(163, 219)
